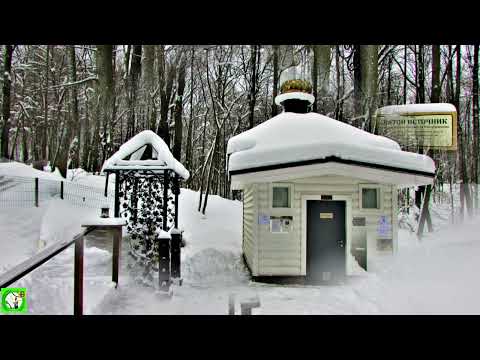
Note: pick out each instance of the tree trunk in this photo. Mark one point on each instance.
(324, 63)
(190, 127)
(252, 96)
(475, 99)
(435, 98)
(177, 146)
(315, 77)
(166, 74)
(275, 79)
(420, 98)
(340, 90)
(365, 83)
(405, 76)
(421, 75)
(44, 149)
(7, 70)
(464, 185)
(133, 76)
(148, 79)
(76, 126)
(105, 98)
(64, 149)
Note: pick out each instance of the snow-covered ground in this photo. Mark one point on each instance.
(435, 276)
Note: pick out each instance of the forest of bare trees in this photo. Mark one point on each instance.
(74, 105)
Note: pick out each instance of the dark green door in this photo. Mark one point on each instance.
(326, 240)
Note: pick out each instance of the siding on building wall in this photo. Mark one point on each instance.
(250, 227)
(280, 254)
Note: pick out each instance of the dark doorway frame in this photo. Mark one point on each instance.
(348, 199)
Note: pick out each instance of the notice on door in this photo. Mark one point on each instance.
(326, 215)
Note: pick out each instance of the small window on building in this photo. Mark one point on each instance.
(281, 197)
(370, 197)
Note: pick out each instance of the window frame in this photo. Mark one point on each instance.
(377, 187)
(281, 185)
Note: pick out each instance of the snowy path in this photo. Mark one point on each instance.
(437, 276)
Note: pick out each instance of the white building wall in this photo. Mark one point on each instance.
(281, 253)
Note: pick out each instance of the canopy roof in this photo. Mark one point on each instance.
(145, 151)
(313, 141)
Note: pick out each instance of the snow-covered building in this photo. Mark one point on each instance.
(318, 193)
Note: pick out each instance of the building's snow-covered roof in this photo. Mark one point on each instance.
(133, 150)
(292, 138)
(417, 109)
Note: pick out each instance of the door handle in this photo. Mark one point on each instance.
(341, 243)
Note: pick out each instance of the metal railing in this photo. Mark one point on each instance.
(26, 267)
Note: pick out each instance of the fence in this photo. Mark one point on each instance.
(17, 191)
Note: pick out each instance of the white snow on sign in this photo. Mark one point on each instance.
(291, 137)
(417, 109)
(134, 149)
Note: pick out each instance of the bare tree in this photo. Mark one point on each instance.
(7, 73)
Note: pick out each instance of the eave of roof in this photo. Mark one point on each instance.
(327, 160)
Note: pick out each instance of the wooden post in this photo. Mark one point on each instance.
(231, 304)
(106, 185)
(166, 180)
(78, 277)
(117, 239)
(36, 191)
(117, 191)
(61, 190)
(175, 254)
(134, 199)
(246, 307)
(177, 190)
(164, 278)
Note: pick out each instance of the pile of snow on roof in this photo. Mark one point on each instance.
(291, 137)
(134, 149)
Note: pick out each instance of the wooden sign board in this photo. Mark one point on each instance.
(411, 127)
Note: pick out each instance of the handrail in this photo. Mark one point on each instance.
(24, 268)
(38, 259)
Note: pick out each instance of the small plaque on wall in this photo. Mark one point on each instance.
(263, 219)
(359, 221)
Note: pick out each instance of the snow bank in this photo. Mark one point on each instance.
(214, 266)
(18, 235)
(63, 221)
(133, 148)
(19, 169)
(213, 243)
(291, 137)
